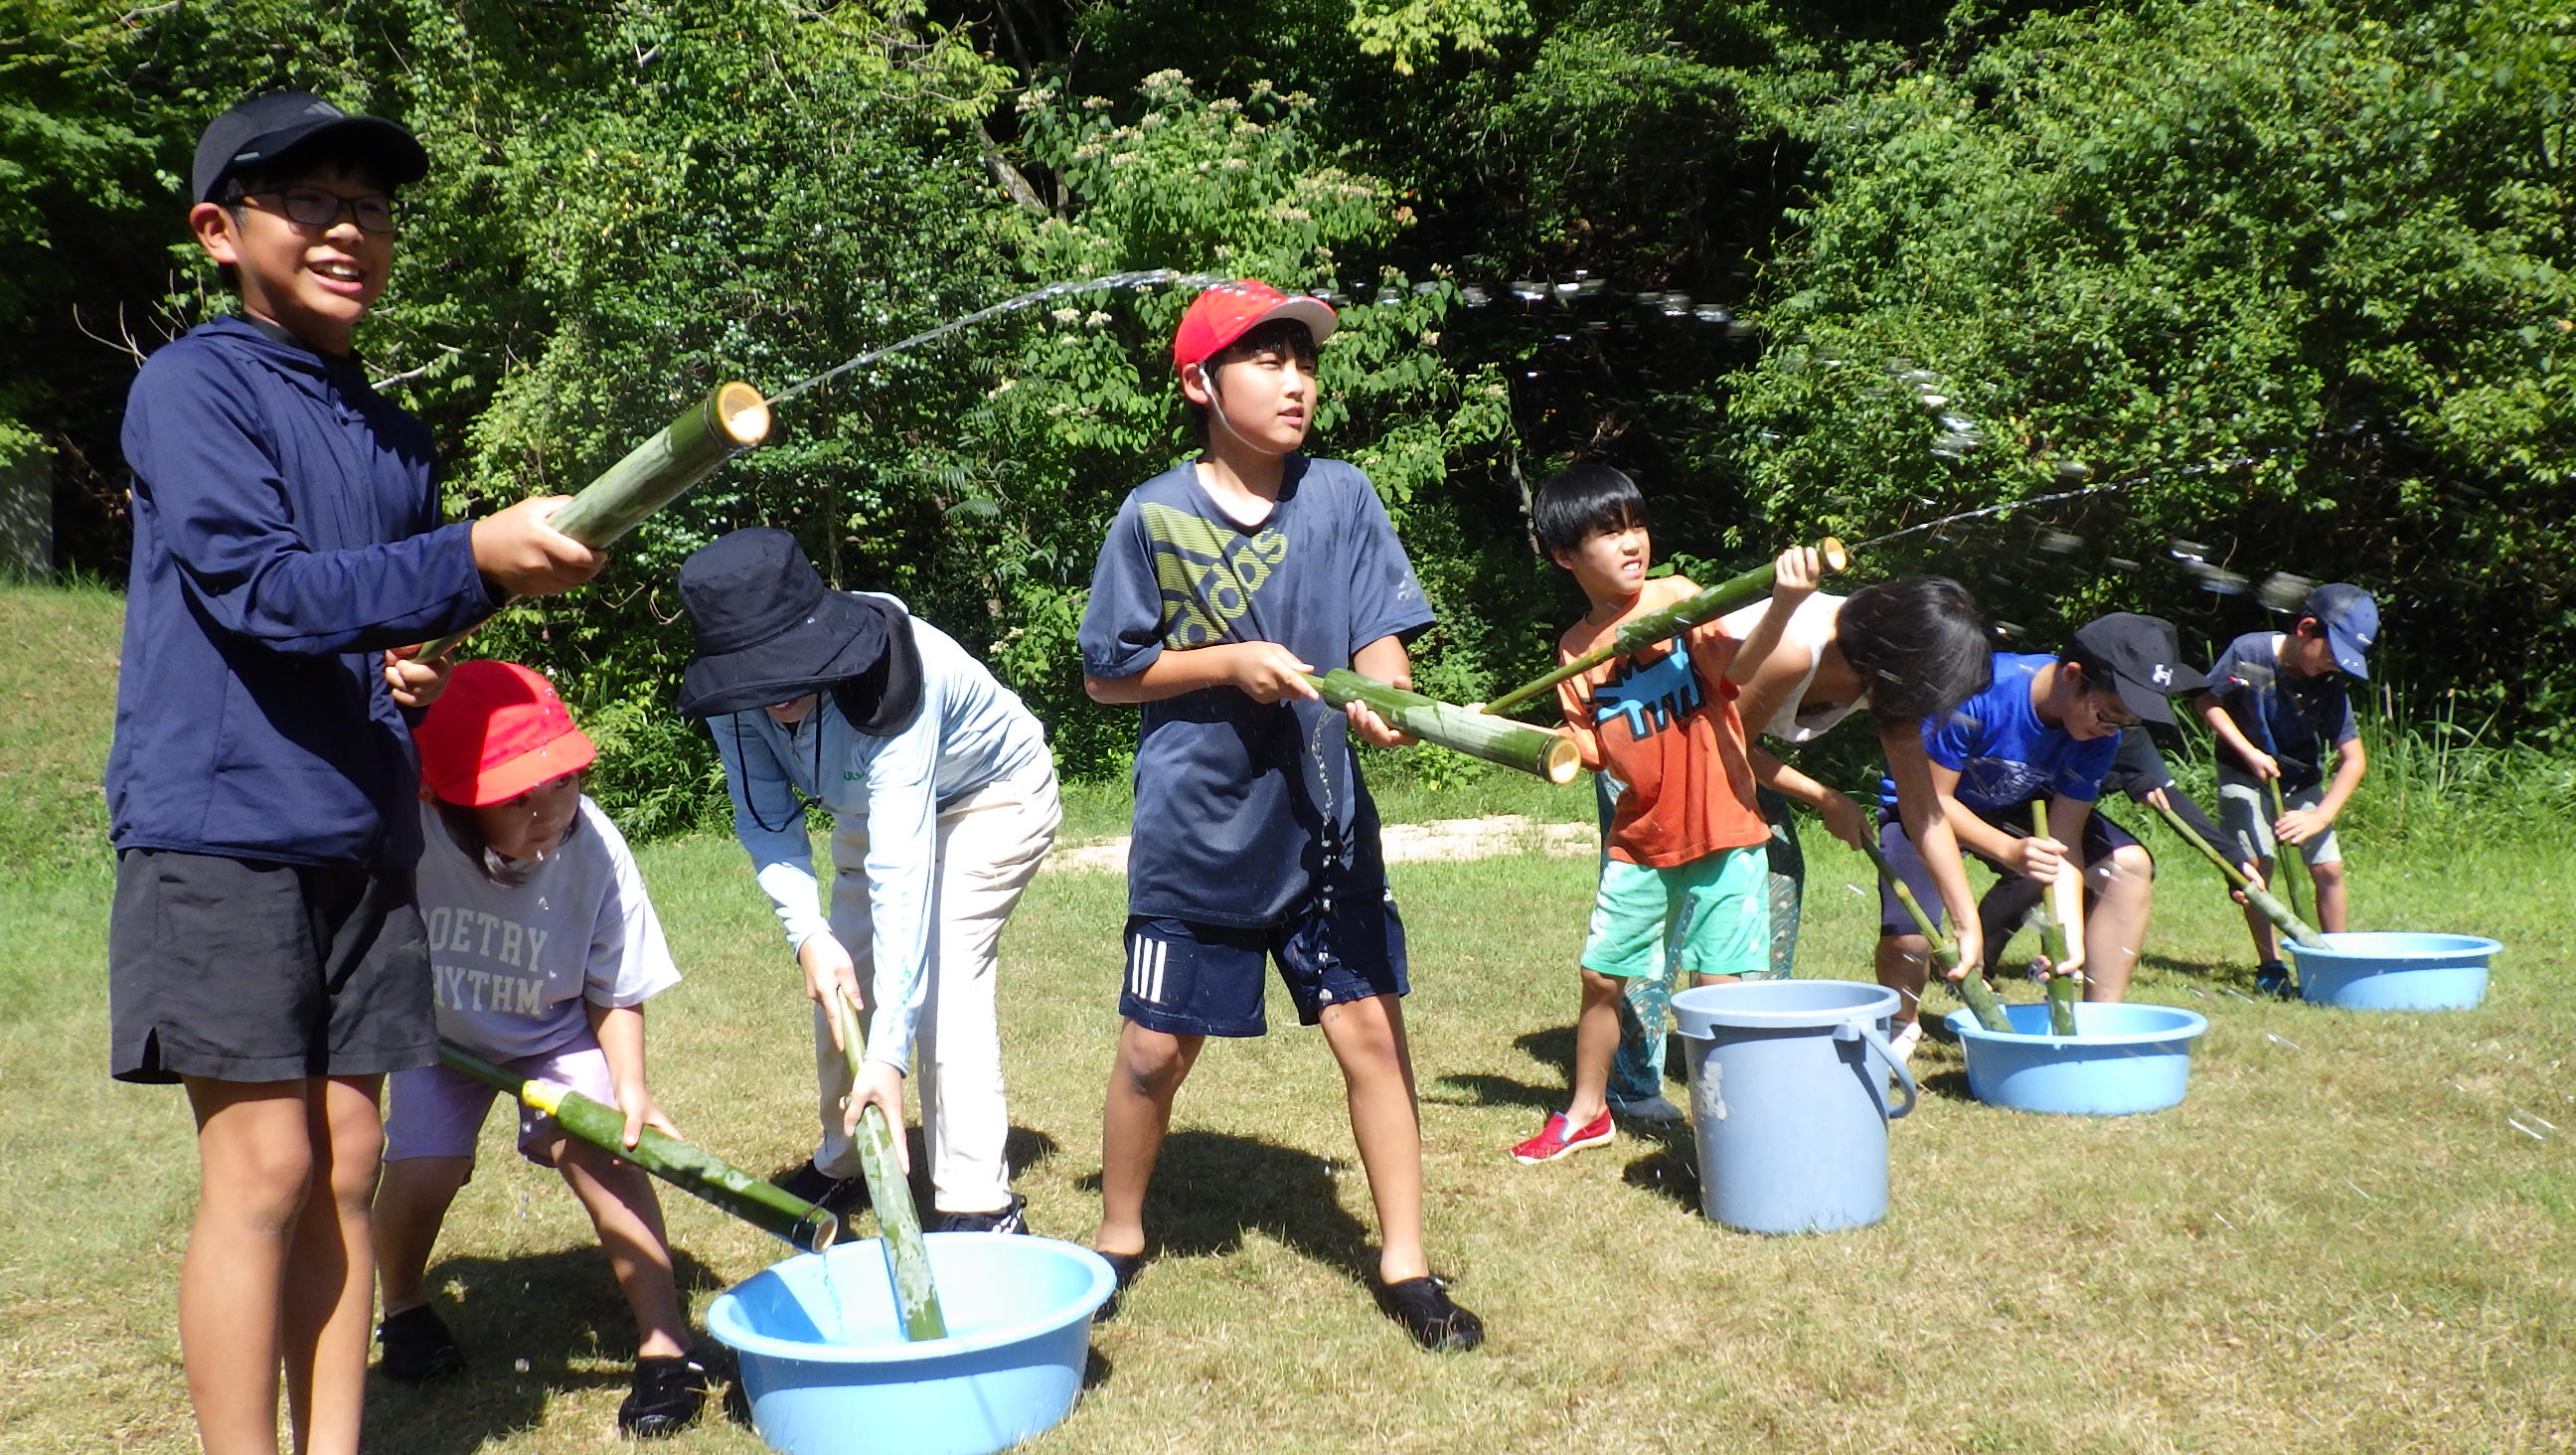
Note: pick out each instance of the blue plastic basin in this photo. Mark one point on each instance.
(829, 1372)
(2122, 1059)
(2389, 970)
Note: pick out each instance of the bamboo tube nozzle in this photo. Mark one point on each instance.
(693, 1170)
(730, 419)
(1711, 602)
(1533, 750)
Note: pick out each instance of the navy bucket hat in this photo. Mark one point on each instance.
(769, 631)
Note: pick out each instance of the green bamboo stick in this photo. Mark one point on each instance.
(2293, 863)
(698, 1173)
(898, 1221)
(1970, 987)
(728, 421)
(1654, 627)
(2264, 902)
(2052, 943)
(1532, 750)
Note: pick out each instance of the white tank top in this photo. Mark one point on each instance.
(1811, 626)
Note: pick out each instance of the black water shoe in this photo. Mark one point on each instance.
(1423, 1306)
(668, 1392)
(417, 1347)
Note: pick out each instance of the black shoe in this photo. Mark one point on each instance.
(1422, 1305)
(417, 1347)
(1123, 1267)
(667, 1394)
(1007, 1220)
(842, 1195)
(2272, 978)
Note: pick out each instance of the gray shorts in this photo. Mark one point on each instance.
(251, 970)
(2245, 815)
(432, 1111)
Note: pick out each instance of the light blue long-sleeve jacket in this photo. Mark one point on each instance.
(970, 731)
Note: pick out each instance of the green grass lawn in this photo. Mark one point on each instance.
(2340, 1241)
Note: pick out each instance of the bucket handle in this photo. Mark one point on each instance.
(1855, 1031)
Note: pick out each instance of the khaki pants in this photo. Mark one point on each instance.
(989, 847)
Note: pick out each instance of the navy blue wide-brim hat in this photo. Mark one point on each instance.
(769, 631)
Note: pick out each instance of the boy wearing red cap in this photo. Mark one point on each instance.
(264, 949)
(545, 949)
(1224, 582)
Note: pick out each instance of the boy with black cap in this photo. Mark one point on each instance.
(2047, 729)
(1222, 583)
(943, 801)
(2274, 700)
(264, 948)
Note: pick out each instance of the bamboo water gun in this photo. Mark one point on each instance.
(898, 1220)
(1658, 626)
(2264, 901)
(2293, 862)
(700, 1174)
(728, 421)
(1498, 740)
(2068, 892)
(1970, 987)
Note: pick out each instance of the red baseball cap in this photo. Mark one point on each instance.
(1228, 311)
(496, 732)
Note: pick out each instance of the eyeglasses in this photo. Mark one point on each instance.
(313, 207)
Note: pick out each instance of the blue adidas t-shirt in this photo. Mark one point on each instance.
(2005, 755)
(1241, 805)
(2291, 717)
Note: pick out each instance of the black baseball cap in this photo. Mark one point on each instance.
(2144, 659)
(267, 127)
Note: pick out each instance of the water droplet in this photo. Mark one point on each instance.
(1711, 313)
(1528, 290)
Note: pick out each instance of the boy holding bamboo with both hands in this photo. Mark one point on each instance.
(2275, 700)
(2045, 731)
(1685, 882)
(1224, 582)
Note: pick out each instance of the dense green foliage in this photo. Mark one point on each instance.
(2296, 274)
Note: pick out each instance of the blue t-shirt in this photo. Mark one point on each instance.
(2005, 755)
(1241, 806)
(2283, 714)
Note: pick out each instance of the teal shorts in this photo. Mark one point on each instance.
(1711, 916)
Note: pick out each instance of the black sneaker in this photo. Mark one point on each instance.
(1007, 1219)
(2272, 978)
(417, 1347)
(842, 1195)
(1422, 1305)
(667, 1394)
(1123, 1267)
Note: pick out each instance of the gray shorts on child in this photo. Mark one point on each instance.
(2245, 816)
(251, 970)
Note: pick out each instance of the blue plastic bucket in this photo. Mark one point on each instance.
(2121, 1060)
(829, 1372)
(1791, 1115)
(2386, 970)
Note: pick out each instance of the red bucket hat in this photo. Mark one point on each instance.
(1228, 311)
(496, 732)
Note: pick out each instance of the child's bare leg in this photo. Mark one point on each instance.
(622, 1206)
(2265, 950)
(1149, 1071)
(1596, 1040)
(1904, 963)
(331, 1285)
(2115, 925)
(254, 1158)
(2333, 901)
(1367, 1038)
(412, 1197)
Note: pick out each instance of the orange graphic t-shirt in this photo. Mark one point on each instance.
(1661, 723)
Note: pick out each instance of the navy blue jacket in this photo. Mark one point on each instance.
(285, 533)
